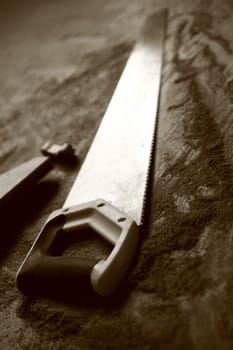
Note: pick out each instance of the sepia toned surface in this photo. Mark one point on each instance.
(60, 62)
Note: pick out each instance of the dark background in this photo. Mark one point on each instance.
(60, 61)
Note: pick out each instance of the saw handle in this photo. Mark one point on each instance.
(45, 272)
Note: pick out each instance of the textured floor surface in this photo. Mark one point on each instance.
(60, 61)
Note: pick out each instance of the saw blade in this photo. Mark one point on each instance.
(117, 165)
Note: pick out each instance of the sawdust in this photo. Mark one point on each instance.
(171, 264)
(178, 294)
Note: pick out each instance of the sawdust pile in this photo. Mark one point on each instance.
(61, 65)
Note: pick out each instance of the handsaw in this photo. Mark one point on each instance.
(109, 192)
